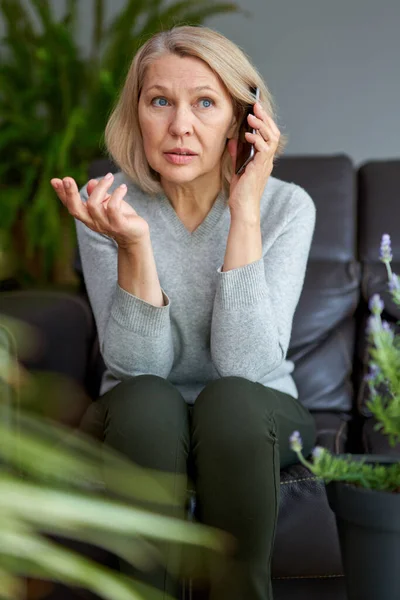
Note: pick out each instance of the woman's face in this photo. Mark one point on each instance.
(183, 104)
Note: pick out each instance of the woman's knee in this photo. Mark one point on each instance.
(146, 405)
(233, 410)
(146, 420)
(149, 391)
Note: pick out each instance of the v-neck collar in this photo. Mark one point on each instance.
(206, 227)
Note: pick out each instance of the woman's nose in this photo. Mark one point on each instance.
(181, 122)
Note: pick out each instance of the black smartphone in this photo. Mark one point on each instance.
(245, 152)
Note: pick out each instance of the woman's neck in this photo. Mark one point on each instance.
(192, 200)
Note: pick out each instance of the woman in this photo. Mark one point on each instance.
(194, 274)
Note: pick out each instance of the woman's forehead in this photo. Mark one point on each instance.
(184, 72)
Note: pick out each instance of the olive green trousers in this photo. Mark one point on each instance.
(231, 444)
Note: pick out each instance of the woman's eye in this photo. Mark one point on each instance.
(161, 99)
(208, 101)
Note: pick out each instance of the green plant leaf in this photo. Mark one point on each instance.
(97, 29)
(43, 10)
(11, 588)
(47, 508)
(66, 566)
(71, 16)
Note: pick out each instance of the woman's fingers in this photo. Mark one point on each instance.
(99, 191)
(102, 212)
(73, 200)
(59, 188)
(113, 207)
(98, 199)
(264, 124)
(91, 184)
(68, 192)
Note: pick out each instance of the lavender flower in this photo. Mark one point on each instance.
(373, 325)
(394, 283)
(374, 371)
(386, 249)
(296, 443)
(386, 327)
(317, 452)
(375, 304)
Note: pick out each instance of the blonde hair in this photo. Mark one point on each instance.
(123, 138)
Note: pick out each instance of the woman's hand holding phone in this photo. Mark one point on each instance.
(247, 188)
(104, 213)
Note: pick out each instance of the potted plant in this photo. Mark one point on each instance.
(364, 491)
(54, 104)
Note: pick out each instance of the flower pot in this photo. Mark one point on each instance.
(368, 524)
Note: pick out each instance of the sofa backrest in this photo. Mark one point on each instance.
(378, 184)
(323, 334)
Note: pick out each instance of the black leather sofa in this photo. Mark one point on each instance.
(328, 345)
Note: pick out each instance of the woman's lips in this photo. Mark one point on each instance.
(179, 159)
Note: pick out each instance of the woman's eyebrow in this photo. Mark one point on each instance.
(194, 89)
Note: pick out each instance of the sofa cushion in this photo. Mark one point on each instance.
(378, 191)
(301, 550)
(322, 341)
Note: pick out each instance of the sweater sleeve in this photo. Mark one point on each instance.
(135, 337)
(254, 305)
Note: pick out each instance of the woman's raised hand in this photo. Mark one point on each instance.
(104, 213)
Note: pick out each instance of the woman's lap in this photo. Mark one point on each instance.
(283, 412)
(232, 443)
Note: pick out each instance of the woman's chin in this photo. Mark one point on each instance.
(180, 175)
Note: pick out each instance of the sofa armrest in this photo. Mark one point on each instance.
(57, 351)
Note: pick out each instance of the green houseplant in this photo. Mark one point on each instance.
(364, 491)
(52, 485)
(54, 104)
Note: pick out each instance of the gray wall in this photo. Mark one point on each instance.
(333, 67)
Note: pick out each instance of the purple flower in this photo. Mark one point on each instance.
(375, 304)
(386, 249)
(318, 452)
(373, 325)
(374, 371)
(386, 327)
(296, 442)
(394, 283)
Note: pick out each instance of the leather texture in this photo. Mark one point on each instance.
(328, 346)
(323, 334)
(375, 442)
(57, 348)
(378, 184)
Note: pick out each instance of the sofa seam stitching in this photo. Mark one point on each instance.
(301, 479)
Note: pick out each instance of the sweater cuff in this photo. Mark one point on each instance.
(139, 316)
(243, 286)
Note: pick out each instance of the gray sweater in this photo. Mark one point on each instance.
(214, 324)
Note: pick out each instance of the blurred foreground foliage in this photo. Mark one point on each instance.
(58, 484)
